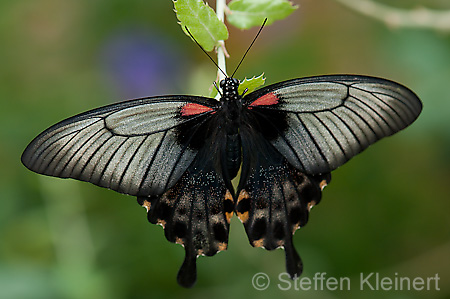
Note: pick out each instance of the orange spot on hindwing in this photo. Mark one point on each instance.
(243, 206)
(228, 206)
(323, 184)
(147, 205)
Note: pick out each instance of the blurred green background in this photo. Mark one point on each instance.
(386, 211)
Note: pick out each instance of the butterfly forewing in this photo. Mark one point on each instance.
(132, 147)
(330, 119)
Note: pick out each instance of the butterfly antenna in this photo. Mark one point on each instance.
(215, 63)
(248, 49)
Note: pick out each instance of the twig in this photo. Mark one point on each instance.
(220, 11)
(396, 17)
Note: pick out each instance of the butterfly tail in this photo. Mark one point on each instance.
(187, 275)
(294, 265)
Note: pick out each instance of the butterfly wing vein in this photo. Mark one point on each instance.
(130, 147)
(333, 118)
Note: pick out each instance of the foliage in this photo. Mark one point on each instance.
(251, 84)
(209, 31)
(245, 14)
(201, 21)
(386, 211)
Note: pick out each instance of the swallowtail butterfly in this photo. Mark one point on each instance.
(178, 155)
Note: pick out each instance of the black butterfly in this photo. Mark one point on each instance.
(178, 155)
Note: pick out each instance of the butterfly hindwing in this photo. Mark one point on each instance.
(133, 147)
(274, 198)
(330, 119)
(195, 212)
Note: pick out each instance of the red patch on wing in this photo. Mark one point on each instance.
(265, 100)
(194, 109)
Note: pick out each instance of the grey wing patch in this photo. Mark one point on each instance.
(129, 147)
(332, 118)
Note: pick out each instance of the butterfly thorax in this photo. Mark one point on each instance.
(231, 103)
(229, 88)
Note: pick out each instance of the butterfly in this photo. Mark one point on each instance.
(178, 155)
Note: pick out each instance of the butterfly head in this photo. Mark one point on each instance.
(229, 88)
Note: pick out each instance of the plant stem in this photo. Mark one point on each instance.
(220, 11)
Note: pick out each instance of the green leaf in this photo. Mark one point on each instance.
(201, 21)
(248, 13)
(251, 84)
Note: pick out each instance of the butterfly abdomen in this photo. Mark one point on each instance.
(233, 154)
